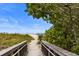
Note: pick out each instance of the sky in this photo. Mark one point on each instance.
(13, 19)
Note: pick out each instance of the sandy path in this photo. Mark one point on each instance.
(34, 49)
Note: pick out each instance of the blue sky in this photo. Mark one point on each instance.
(13, 19)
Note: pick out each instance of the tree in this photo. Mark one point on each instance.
(65, 20)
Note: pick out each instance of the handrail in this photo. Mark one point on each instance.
(48, 50)
(19, 50)
(52, 50)
(13, 49)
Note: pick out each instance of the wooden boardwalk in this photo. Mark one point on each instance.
(33, 48)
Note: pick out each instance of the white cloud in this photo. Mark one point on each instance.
(13, 20)
(7, 7)
(3, 20)
(19, 29)
(12, 25)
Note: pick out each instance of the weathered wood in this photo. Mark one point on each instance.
(12, 50)
(55, 50)
(18, 52)
(47, 52)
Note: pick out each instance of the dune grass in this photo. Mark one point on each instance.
(7, 40)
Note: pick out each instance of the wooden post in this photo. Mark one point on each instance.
(14, 50)
(52, 50)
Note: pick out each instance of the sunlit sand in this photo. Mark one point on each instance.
(34, 49)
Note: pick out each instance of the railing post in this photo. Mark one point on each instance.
(48, 53)
(15, 50)
(18, 53)
(52, 50)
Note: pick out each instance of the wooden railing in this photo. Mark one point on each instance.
(16, 50)
(52, 50)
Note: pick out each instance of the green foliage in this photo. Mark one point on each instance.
(7, 40)
(40, 35)
(65, 19)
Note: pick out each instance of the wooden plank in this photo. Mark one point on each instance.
(10, 49)
(58, 50)
(19, 50)
(48, 50)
